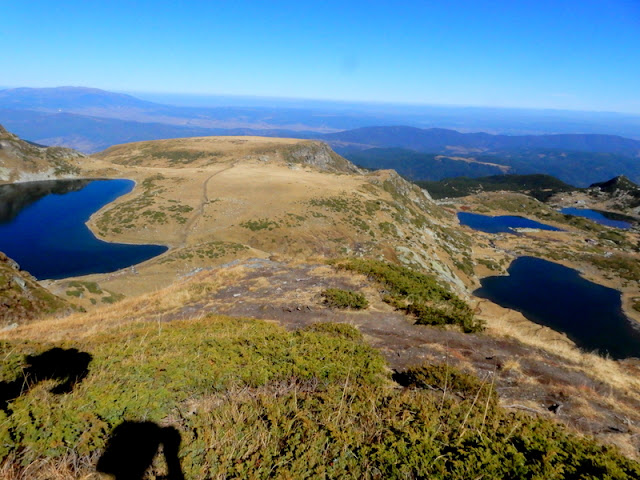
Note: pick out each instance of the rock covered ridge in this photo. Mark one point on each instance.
(620, 192)
(22, 161)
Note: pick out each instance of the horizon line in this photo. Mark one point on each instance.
(381, 103)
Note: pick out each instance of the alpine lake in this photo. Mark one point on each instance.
(43, 228)
(558, 297)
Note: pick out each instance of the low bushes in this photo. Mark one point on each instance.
(249, 399)
(338, 298)
(416, 293)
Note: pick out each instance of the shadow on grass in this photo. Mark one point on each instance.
(133, 446)
(68, 366)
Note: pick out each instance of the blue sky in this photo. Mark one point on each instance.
(582, 55)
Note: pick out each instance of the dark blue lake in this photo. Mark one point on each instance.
(42, 227)
(500, 224)
(558, 297)
(596, 216)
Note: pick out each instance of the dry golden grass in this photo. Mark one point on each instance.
(204, 150)
(502, 322)
(512, 365)
(150, 306)
(70, 467)
(245, 191)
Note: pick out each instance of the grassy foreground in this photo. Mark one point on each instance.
(252, 400)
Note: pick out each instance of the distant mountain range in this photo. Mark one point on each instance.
(92, 134)
(68, 98)
(436, 154)
(91, 120)
(439, 140)
(299, 119)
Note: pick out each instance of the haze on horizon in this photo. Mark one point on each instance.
(571, 55)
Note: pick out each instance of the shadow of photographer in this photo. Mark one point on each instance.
(133, 446)
(68, 366)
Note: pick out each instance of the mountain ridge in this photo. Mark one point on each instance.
(439, 140)
(27, 161)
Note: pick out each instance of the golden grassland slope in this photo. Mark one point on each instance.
(251, 223)
(22, 161)
(218, 199)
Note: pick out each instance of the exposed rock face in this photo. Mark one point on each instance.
(320, 155)
(22, 161)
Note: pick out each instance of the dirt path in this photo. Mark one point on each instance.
(200, 208)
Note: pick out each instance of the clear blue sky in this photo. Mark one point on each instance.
(570, 54)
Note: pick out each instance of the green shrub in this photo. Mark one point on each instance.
(338, 298)
(447, 378)
(260, 224)
(336, 329)
(621, 265)
(416, 293)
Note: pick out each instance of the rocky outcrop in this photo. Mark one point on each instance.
(319, 155)
(622, 193)
(22, 161)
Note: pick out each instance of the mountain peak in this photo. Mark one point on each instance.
(67, 98)
(619, 183)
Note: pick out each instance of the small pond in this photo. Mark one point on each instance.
(42, 227)
(603, 218)
(500, 224)
(556, 296)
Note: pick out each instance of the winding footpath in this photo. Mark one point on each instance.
(200, 209)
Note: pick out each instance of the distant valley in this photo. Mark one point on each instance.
(435, 154)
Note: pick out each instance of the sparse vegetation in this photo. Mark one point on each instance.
(450, 380)
(388, 228)
(210, 250)
(490, 264)
(416, 293)
(621, 265)
(79, 289)
(260, 224)
(338, 298)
